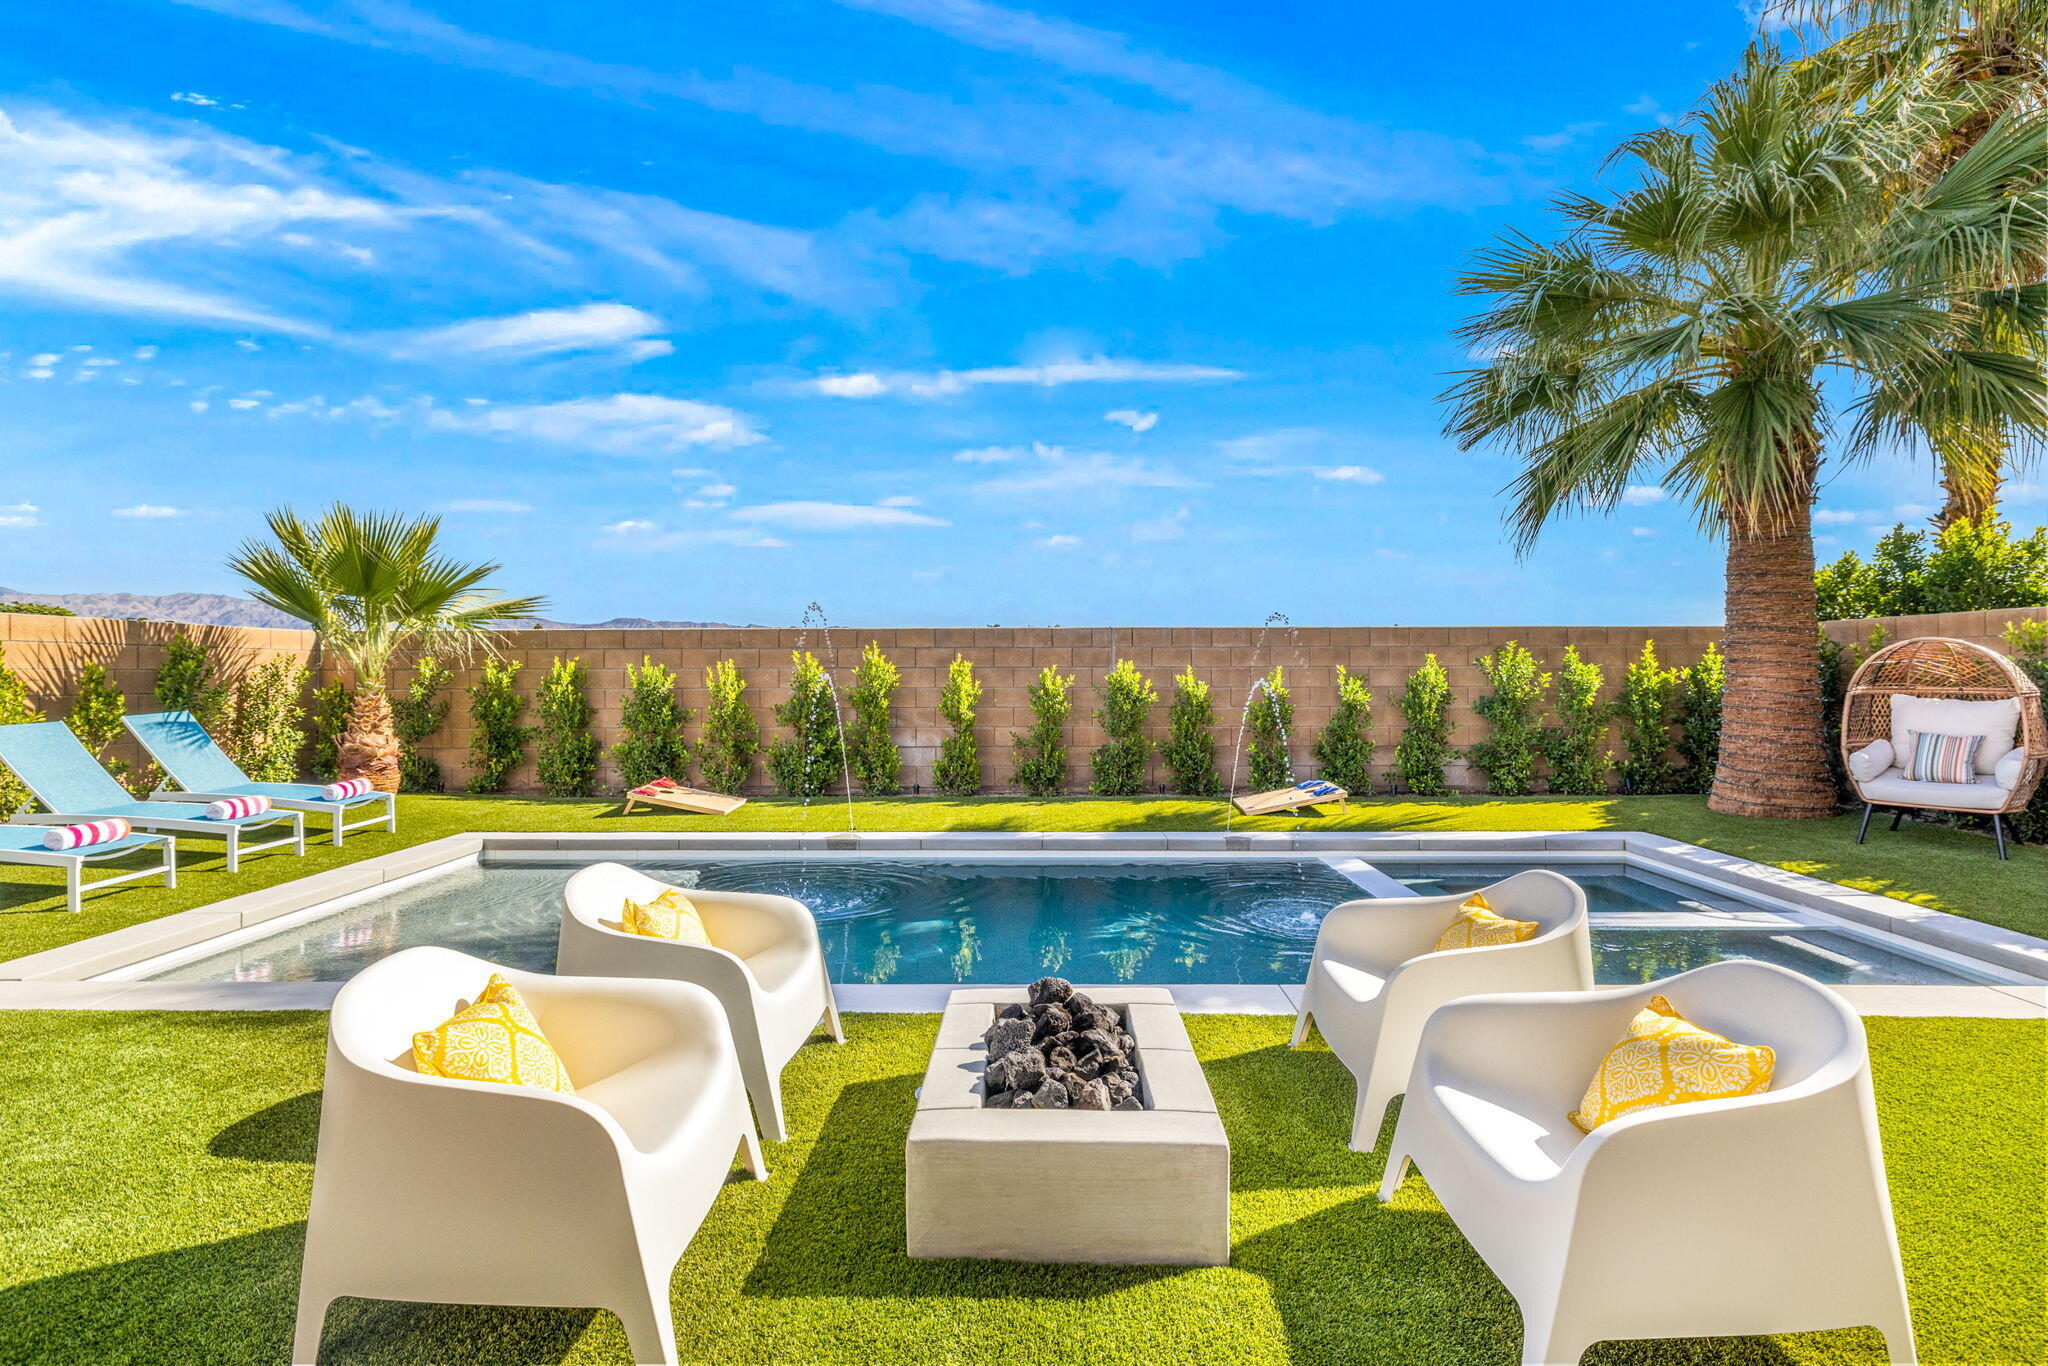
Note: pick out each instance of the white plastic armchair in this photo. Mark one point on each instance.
(443, 1191)
(1376, 976)
(766, 966)
(1758, 1214)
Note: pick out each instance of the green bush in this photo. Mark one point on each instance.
(15, 709)
(332, 704)
(809, 761)
(2027, 642)
(1127, 702)
(565, 754)
(651, 721)
(1344, 750)
(1041, 752)
(1574, 747)
(1699, 721)
(185, 681)
(1271, 726)
(1190, 752)
(1838, 664)
(1645, 708)
(871, 748)
(416, 713)
(263, 735)
(96, 709)
(1425, 746)
(956, 771)
(36, 609)
(1961, 568)
(1512, 713)
(497, 740)
(732, 738)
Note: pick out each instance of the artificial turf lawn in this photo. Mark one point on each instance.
(158, 1165)
(1948, 870)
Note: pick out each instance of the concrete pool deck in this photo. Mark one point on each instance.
(90, 974)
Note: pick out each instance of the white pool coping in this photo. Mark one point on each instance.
(96, 973)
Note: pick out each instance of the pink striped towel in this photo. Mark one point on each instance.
(342, 791)
(92, 832)
(234, 808)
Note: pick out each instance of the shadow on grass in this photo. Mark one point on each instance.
(284, 1132)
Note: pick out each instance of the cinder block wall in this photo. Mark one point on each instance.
(47, 653)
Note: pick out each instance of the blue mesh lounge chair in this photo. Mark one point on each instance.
(202, 768)
(21, 844)
(72, 786)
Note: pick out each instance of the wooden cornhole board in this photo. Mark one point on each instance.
(695, 800)
(1288, 799)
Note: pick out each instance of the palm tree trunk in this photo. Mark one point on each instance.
(1773, 744)
(369, 747)
(1971, 497)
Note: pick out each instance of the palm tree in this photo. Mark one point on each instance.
(1709, 329)
(372, 584)
(1993, 53)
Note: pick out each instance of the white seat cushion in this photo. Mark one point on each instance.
(1892, 788)
(1355, 984)
(1997, 720)
(1524, 1148)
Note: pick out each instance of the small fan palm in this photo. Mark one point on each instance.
(372, 585)
(1769, 278)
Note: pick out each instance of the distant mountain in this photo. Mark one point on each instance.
(220, 609)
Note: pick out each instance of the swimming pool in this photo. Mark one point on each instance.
(1166, 921)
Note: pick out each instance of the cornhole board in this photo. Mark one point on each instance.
(1287, 799)
(676, 797)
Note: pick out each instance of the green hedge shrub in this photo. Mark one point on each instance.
(1425, 746)
(651, 721)
(1190, 751)
(1699, 721)
(956, 771)
(185, 681)
(1127, 702)
(1574, 747)
(15, 709)
(2027, 643)
(732, 738)
(1344, 750)
(497, 741)
(1268, 763)
(871, 748)
(1645, 706)
(809, 761)
(1041, 752)
(1508, 755)
(416, 713)
(264, 735)
(332, 704)
(565, 754)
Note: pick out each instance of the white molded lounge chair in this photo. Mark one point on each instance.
(1376, 976)
(24, 844)
(429, 1189)
(1757, 1214)
(767, 967)
(184, 750)
(73, 787)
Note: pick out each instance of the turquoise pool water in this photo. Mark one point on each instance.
(1154, 921)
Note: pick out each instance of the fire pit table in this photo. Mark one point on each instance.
(1146, 1182)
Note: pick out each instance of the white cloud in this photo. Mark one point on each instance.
(622, 424)
(1060, 471)
(1642, 533)
(1168, 527)
(198, 405)
(40, 373)
(809, 516)
(244, 403)
(538, 332)
(149, 512)
(630, 527)
(490, 505)
(1909, 511)
(1646, 106)
(652, 349)
(991, 455)
(1059, 542)
(19, 514)
(716, 491)
(101, 361)
(145, 353)
(1134, 419)
(244, 344)
(203, 101)
(1835, 517)
(649, 536)
(938, 383)
(1351, 474)
(901, 500)
(1642, 495)
(1562, 138)
(45, 358)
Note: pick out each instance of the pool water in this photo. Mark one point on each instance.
(1154, 921)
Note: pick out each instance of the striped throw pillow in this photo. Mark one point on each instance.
(61, 837)
(345, 789)
(235, 808)
(1943, 758)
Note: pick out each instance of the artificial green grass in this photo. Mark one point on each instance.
(1945, 869)
(157, 1168)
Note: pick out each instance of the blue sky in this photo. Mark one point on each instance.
(934, 310)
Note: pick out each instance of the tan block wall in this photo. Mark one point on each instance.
(1979, 628)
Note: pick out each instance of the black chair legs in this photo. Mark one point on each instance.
(1998, 829)
(1864, 828)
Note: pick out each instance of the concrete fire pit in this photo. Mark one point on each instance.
(1148, 1186)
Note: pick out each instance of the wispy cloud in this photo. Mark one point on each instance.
(1642, 495)
(1563, 137)
(1134, 419)
(149, 511)
(1295, 452)
(1053, 469)
(621, 424)
(538, 332)
(940, 383)
(1058, 541)
(20, 515)
(1350, 474)
(638, 534)
(808, 516)
(1171, 526)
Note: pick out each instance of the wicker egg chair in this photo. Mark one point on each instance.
(1940, 667)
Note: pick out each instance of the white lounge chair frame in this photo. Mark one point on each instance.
(1758, 1214)
(73, 862)
(190, 788)
(768, 1024)
(428, 1189)
(1376, 976)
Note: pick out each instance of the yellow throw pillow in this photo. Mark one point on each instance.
(493, 1038)
(668, 916)
(1477, 924)
(1666, 1060)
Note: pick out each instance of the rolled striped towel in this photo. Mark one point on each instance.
(91, 832)
(234, 808)
(342, 791)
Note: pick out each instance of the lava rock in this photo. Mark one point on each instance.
(1119, 1089)
(998, 1100)
(1061, 1060)
(1093, 1095)
(1006, 1036)
(1078, 1001)
(1019, 1069)
(1128, 1103)
(1012, 1011)
(1051, 1096)
(1049, 991)
(1129, 1077)
(1052, 1020)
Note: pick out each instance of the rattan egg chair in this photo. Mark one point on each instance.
(1940, 668)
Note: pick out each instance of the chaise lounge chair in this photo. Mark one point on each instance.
(20, 844)
(178, 743)
(72, 786)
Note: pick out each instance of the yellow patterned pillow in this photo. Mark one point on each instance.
(1666, 1059)
(668, 916)
(494, 1038)
(1477, 925)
